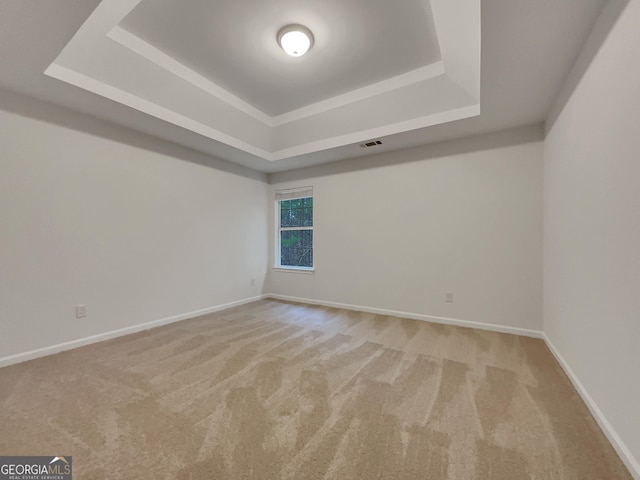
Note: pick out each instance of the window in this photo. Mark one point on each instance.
(294, 217)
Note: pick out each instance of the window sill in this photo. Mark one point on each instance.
(305, 270)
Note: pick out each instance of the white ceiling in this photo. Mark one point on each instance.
(410, 72)
(233, 44)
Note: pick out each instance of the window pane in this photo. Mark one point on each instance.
(285, 216)
(296, 248)
(308, 217)
(296, 213)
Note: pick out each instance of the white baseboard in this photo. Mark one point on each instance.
(623, 451)
(625, 454)
(45, 351)
(416, 316)
(50, 350)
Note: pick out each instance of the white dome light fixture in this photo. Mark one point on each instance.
(296, 40)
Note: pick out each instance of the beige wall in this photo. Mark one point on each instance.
(398, 237)
(592, 232)
(134, 235)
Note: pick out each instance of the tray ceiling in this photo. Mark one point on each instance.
(376, 69)
(208, 75)
(232, 44)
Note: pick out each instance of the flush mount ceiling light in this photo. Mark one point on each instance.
(296, 40)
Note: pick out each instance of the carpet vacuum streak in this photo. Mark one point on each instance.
(277, 390)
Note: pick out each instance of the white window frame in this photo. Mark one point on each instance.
(284, 195)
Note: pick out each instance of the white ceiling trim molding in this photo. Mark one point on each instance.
(151, 53)
(104, 58)
(170, 64)
(378, 88)
(152, 108)
(356, 137)
(108, 91)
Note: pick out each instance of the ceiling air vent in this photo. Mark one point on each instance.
(372, 143)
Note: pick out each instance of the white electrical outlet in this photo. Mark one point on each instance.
(448, 297)
(81, 311)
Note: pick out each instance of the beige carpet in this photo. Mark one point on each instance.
(277, 390)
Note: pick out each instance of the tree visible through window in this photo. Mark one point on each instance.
(296, 232)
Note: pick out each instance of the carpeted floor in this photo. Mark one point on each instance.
(275, 390)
